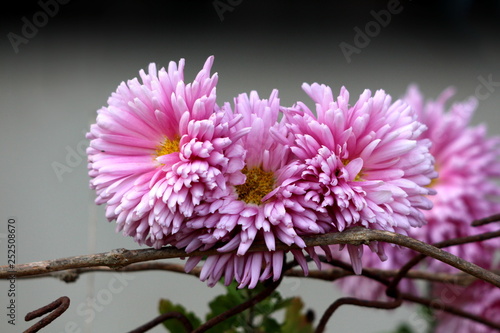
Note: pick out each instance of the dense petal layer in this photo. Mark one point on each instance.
(361, 163)
(469, 166)
(159, 148)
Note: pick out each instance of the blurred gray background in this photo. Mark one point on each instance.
(54, 77)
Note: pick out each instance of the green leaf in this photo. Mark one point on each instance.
(235, 294)
(258, 318)
(427, 313)
(270, 325)
(282, 304)
(173, 325)
(272, 304)
(295, 321)
(221, 304)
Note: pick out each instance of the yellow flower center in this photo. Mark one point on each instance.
(359, 176)
(434, 181)
(258, 184)
(167, 147)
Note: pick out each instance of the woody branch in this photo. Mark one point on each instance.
(357, 236)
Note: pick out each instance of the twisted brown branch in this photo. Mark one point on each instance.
(486, 220)
(452, 242)
(356, 236)
(374, 275)
(56, 308)
(332, 274)
(450, 309)
(71, 275)
(354, 301)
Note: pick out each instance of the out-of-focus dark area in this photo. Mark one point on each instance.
(290, 16)
(350, 34)
(195, 13)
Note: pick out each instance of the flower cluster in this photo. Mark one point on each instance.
(175, 167)
(468, 164)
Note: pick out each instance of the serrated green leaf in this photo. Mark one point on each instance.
(295, 321)
(219, 305)
(173, 325)
(223, 303)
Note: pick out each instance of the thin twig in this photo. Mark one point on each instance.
(348, 267)
(356, 236)
(161, 318)
(450, 309)
(354, 301)
(415, 299)
(72, 275)
(486, 220)
(332, 274)
(451, 242)
(374, 275)
(56, 308)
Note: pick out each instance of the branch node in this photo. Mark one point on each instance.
(118, 258)
(70, 275)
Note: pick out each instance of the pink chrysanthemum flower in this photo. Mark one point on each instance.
(159, 148)
(480, 298)
(247, 269)
(361, 164)
(253, 210)
(468, 164)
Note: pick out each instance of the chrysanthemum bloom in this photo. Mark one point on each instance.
(254, 210)
(468, 164)
(480, 298)
(363, 164)
(159, 148)
(247, 270)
